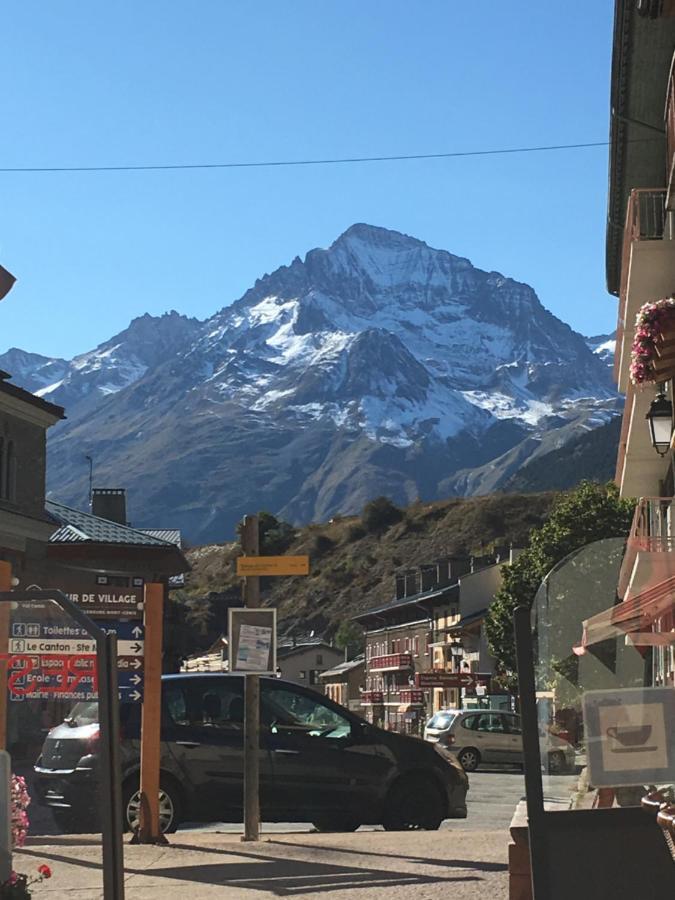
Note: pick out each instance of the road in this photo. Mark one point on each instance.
(492, 798)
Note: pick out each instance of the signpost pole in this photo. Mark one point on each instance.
(5, 585)
(250, 544)
(149, 831)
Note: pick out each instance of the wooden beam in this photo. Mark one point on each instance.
(250, 544)
(151, 718)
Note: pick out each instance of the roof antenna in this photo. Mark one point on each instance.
(91, 481)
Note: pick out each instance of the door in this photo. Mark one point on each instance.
(322, 761)
(489, 735)
(205, 729)
(516, 739)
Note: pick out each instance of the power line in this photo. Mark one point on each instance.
(304, 162)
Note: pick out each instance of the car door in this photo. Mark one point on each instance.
(206, 734)
(489, 736)
(322, 760)
(515, 750)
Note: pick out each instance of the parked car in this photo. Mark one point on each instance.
(319, 762)
(493, 736)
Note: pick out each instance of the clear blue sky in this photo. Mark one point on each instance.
(163, 81)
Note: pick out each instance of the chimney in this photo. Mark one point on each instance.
(110, 503)
(410, 582)
(400, 586)
(428, 576)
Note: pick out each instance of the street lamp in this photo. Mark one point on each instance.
(660, 418)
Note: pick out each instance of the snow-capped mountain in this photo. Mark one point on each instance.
(378, 365)
(604, 347)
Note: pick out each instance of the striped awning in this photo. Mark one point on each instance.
(634, 619)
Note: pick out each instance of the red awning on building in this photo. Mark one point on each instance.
(633, 618)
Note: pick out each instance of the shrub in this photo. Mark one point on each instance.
(355, 533)
(380, 514)
(321, 544)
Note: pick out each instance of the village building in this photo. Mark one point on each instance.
(344, 683)
(432, 627)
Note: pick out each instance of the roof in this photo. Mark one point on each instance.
(170, 535)
(286, 650)
(413, 600)
(642, 53)
(77, 527)
(26, 397)
(344, 667)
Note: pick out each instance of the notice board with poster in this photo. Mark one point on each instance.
(253, 641)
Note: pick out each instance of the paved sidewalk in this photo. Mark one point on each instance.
(378, 865)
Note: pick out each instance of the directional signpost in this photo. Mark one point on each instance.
(451, 679)
(48, 658)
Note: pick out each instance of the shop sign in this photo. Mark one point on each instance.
(630, 736)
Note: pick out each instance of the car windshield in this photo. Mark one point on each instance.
(83, 714)
(442, 720)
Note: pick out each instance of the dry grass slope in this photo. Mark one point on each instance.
(352, 569)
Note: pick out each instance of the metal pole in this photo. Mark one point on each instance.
(250, 543)
(536, 826)
(110, 777)
(151, 721)
(5, 816)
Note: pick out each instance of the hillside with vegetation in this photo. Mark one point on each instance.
(353, 561)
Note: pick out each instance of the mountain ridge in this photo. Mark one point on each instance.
(376, 365)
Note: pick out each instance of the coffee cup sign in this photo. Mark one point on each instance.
(630, 736)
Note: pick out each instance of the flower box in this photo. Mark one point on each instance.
(653, 349)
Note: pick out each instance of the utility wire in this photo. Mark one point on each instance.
(303, 162)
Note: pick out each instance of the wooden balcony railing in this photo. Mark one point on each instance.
(670, 136)
(412, 697)
(392, 661)
(372, 697)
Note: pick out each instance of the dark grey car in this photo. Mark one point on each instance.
(319, 762)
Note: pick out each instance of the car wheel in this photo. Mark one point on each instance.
(413, 803)
(557, 764)
(470, 759)
(170, 807)
(336, 823)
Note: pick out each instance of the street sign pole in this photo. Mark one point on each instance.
(250, 544)
(149, 831)
(5, 585)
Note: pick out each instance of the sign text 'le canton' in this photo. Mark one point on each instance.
(272, 565)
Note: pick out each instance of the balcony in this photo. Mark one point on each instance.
(670, 138)
(647, 268)
(650, 551)
(372, 698)
(412, 698)
(392, 662)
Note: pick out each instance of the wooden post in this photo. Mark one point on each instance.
(5, 585)
(250, 544)
(149, 831)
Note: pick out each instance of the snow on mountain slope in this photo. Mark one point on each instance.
(377, 365)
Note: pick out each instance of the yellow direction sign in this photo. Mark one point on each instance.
(273, 565)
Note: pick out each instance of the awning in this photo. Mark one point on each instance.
(633, 618)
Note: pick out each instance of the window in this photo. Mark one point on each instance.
(209, 702)
(417, 645)
(314, 676)
(7, 470)
(319, 659)
(285, 711)
(471, 723)
(513, 724)
(302, 674)
(491, 723)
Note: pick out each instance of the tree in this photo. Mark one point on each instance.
(275, 535)
(349, 637)
(589, 513)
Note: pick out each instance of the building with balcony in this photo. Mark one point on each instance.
(640, 261)
(433, 626)
(345, 682)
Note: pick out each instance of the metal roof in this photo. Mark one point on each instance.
(412, 600)
(344, 667)
(170, 535)
(78, 527)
